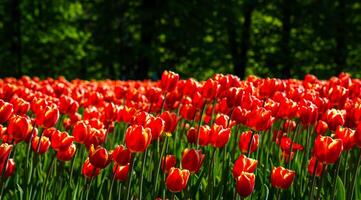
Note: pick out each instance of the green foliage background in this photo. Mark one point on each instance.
(137, 39)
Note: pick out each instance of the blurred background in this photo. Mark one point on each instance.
(138, 39)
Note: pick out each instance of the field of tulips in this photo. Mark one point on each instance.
(223, 138)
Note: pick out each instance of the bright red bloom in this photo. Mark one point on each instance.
(81, 130)
(67, 105)
(308, 112)
(121, 172)
(170, 121)
(169, 81)
(239, 115)
(222, 120)
(321, 127)
(43, 146)
(48, 117)
(177, 179)
(6, 109)
(89, 170)
(327, 150)
(156, 125)
(10, 167)
(260, 119)
(168, 162)
(99, 157)
(289, 126)
(5, 150)
(358, 135)
(95, 137)
(219, 136)
(188, 111)
(137, 138)
(286, 145)
(19, 127)
(192, 135)
(21, 107)
(244, 164)
(192, 160)
(61, 141)
(67, 154)
(121, 155)
(282, 178)
(245, 139)
(347, 136)
(311, 167)
(210, 89)
(204, 135)
(245, 184)
(334, 118)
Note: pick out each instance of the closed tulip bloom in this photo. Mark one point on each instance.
(334, 118)
(192, 135)
(67, 154)
(68, 105)
(43, 146)
(204, 135)
(210, 89)
(10, 167)
(6, 109)
(89, 170)
(5, 150)
(121, 155)
(245, 184)
(21, 107)
(137, 138)
(156, 125)
(99, 157)
(170, 121)
(48, 118)
(48, 132)
(81, 131)
(321, 127)
(169, 81)
(222, 120)
(219, 136)
(61, 141)
(168, 162)
(311, 167)
(327, 150)
(347, 136)
(358, 135)
(121, 172)
(244, 164)
(245, 139)
(282, 178)
(286, 145)
(192, 160)
(19, 127)
(177, 179)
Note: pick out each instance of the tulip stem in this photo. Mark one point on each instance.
(142, 173)
(130, 177)
(159, 164)
(250, 145)
(111, 187)
(354, 178)
(2, 178)
(335, 179)
(313, 179)
(47, 176)
(322, 182)
(72, 166)
(345, 167)
(210, 175)
(200, 123)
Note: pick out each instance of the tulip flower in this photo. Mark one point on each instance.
(19, 127)
(61, 141)
(321, 127)
(210, 89)
(137, 138)
(286, 142)
(244, 164)
(121, 155)
(192, 160)
(245, 140)
(6, 109)
(48, 118)
(99, 157)
(347, 136)
(169, 81)
(5, 150)
(89, 170)
(311, 167)
(168, 162)
(334, 118)
(121, 172)
(156, 125)
(327, 150)
(282, 178)
(81, 130)
(68, 105)
(245, 184)
(21, 107)
(177, 179)
(67, 154)
(170, 121)
(43, 146)
(219, 136)
(10, 167)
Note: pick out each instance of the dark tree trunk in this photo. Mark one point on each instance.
(340, 51)
(239, 52)
(286, 59)
(15, 34)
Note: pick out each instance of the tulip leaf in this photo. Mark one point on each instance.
(21, 191)
(266, 192)
(63, 192)
(341, 194)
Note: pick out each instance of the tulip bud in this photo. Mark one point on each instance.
(192, 160)
(245, 140)
(89, 170)
(67, 154)
(137, 138)
(327, 150)
(243, 164)
(282, 178)
(168, 162)
(177, 179)
(43, 146)
(245, 184)
(121, 172)
(99, 157)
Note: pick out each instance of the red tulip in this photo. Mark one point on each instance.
(156, 125)
(210, 89)
(188, 111)
(308, 112)
(192, 160)
(10, 167)
(137, 138)
(169, 81)
(243, 164)
(192, 135)
(19, 127)
(286, 145)
(260, 119)
(321, 127)
(168, 162)
(219, 136)
(67, 154)
(48, 132)
(48, 117)
(121, 155)
(222, 120)
(358, 135)
(245, 139)
(5, 150)
(311, 167)
(121, 172)
(89, 170)
(245, 184)
(177, 179)
(282, 178)
(81, 130)
(327, 150)
(21, 107)
(68, 105)
(61, 141)
(239, 115)
(289, 126)
(99, 157)
(170, 121)
(334, 118)
(43, 146)
(6, 109)
(347, 136)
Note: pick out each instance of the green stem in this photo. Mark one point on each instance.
(47, 176)
(142, 173)
(313, 179)
(334, 188)
(130, 177)
(354, 178)
(250, 145)
(111, 187)
(159, 164)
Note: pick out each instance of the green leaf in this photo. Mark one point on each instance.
(21, 191)
(340, 194)
(266, 192)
